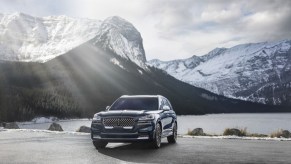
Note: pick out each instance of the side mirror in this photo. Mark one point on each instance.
(107, 108)
(166, 108)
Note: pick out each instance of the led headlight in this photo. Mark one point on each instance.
(147, 117)
(96, 117)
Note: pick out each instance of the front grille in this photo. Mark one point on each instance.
(118, 122)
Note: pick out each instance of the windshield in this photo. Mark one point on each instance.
(135, 104)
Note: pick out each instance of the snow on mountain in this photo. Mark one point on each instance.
(121, 37)
(33, 39)
(27, 38)
(239, 72)
(177, 68)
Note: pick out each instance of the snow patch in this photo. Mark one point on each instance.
(44, 131)
(181, 136)
(40, 120)
(208, 97)
(140, 71)
(116, 62)
(237, 137)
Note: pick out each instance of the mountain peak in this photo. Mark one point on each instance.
(115, 19)
(118, 35)
(19, 14)
(213, 53)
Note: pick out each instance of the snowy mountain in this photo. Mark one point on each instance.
(80, 66)
(33, 39)
(257, 72)
(27, 38)
(85, 80)
(121, 37)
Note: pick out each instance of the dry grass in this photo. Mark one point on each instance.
(234, 131)
(257, 135)
(189, 132)
(276, 134)
(243, 132)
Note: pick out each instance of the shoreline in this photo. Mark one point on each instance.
(236, 137)
(179, 135)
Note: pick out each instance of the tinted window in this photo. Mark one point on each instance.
(163, 103)
(168, 103)
(135, 104)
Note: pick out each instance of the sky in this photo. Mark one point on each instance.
(177, 29)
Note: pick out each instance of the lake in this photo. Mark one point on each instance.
(265, 123)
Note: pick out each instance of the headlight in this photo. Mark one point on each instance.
(147, 117)
(96, 117)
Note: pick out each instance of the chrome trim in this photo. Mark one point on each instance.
(96, 136)
(119, 134)
(108, 127)
(127, 127)
(144, 123)
(129, 139)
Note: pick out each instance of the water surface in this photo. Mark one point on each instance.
(265, 123)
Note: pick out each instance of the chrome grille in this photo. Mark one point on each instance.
(118, 122)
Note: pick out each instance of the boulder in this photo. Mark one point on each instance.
(1, 124)
(84, 129)
(232, 132)
(11, 125)
(55, 127)
(197, 132)
(286, 134)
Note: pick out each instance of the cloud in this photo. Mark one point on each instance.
(199, 26)
(173, 29)
(35, 7)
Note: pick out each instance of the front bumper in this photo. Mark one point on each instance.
(141, 131)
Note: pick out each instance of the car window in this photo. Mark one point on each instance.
(135, 104)
(162, 104)
(168, 103)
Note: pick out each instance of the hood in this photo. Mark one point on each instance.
(131, 113)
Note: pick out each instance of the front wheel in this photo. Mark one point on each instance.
(156, 143)
(173, 138)
(100, 144)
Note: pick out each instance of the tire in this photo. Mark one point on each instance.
(100, 144)
(173, 138)
(156, 143)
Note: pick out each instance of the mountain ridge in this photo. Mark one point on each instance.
(71, 86)
(239, 71)
(39, 39)
(91, 75)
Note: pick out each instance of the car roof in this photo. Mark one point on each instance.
(141, 96)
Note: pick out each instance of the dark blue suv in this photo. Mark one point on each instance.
(135, 118)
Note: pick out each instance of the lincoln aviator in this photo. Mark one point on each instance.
(134, 118)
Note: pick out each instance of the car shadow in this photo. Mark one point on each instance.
(138, 152)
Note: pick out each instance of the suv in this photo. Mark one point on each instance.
(135, 118)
